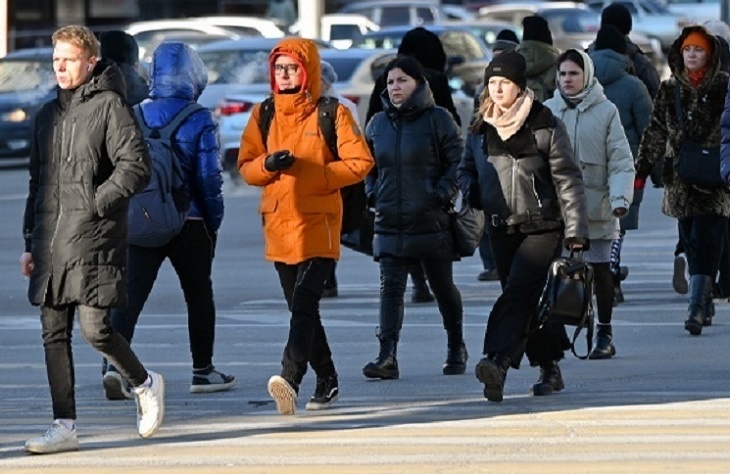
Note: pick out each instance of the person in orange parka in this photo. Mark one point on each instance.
(301, 208)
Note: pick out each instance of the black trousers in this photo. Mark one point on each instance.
(393, 280)
(703, 238)
(303, 285)
(191, 255)
(522, 262)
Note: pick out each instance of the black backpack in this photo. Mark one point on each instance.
(354, 201)
(568, 297)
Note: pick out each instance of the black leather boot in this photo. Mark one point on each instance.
(492, 372)
(551, 380)
(700, 287)
(385, 366)
(456, 358)
(604, 348)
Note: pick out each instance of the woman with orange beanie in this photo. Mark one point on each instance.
(688, 108)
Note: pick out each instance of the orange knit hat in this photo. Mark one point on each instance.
(698, 39)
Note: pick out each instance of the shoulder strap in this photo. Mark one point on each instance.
(169, 129)
(266, 115)
(327, 114)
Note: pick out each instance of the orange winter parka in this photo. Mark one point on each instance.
(301, 207)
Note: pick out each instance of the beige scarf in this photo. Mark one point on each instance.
(509, 121)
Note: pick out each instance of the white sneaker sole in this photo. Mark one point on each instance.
(71, 444)
(160, 412)
(213, 387)
(114, 387)
(679, 276)
(283, 394)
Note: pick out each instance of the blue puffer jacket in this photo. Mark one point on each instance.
(178, 77)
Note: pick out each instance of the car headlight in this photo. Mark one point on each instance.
(15, 116)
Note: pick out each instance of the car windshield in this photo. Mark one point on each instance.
(344, 67)
(26, 76)
(571, 20)
(242, 66)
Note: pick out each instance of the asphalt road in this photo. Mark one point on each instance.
(661, 405)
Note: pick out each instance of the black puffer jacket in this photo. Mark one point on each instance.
(417, 149)
(87, 159)
(528, 179)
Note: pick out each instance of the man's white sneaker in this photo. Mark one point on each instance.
(57, 439)
(150, 405)
(283, 394)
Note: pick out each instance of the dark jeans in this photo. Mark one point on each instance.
(703, 238)
(303, 285)
(522, 262)
(393, 280)
(57, 324)
(191, 255)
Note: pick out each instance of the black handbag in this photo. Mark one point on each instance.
(568, 297)
(696, 164)
(467, 225)
(361, 239)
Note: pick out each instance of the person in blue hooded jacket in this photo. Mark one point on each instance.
(177, 78)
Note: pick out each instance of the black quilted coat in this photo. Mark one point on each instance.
(417, 149)
(87, 159)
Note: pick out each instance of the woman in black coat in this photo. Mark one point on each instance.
(519, 167)
(417, 147)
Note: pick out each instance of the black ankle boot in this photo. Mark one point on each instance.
(385, 366)
(551, 380)
(456, 358)
(492, 372)
(700, 287)
(604, 348)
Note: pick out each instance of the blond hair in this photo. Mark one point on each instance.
(79, 36)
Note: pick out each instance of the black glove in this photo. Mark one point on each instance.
(582, 242)
(279, 160)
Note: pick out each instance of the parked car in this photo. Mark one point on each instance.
(195, 39)
(696, 11)
(486, 30)
(341, 29)
(648, 17)
(573, 25)
(356, 70)
(234, 65)
(467, 54)
(244, 26)
(27, 81)
(144, 32)
(397, 13)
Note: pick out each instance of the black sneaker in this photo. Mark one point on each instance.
(326, 393)
(115, 386)
(209, 380)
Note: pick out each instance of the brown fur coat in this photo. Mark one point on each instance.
(702, 110)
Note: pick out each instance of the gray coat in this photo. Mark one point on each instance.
(87, 159)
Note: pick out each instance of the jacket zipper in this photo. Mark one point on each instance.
(398, 137)
(534, 191)
(512, 204)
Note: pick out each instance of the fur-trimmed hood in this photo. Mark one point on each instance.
(676, 63)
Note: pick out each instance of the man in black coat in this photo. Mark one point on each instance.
(87, 159)
(121, 48)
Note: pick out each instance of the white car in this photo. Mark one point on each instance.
(145, 32)
(356, 69)
(244, 26)
(341, 29)
(696, 11)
